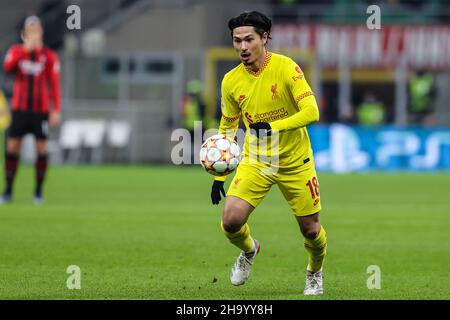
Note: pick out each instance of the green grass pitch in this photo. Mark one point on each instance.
(151, 233)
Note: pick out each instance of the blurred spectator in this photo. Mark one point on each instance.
(422, 93)
(193, 106)
(371, 111)
(193, 111)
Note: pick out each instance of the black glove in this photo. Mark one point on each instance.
(262, 129)
(216, 189)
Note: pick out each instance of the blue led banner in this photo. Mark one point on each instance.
(344, 148)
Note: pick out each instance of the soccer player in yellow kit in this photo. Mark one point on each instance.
(270, 93)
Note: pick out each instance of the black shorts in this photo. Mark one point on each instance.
(27, 122)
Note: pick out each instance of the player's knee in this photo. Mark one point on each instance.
(231, 224)
(235, 214)
(13, 147)
(310, 234)
(41, 152)
(41, 148)
(309, 225)
(311, 231)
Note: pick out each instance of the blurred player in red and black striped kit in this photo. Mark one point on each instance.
(36, 101)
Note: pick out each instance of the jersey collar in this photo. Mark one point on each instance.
(260, 70)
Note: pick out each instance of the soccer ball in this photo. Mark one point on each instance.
(220, 155)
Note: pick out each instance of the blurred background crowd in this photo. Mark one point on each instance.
(138, 69)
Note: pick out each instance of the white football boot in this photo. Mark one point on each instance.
(241, 269)
(314, 283)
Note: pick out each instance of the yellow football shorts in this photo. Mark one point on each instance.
(299, 186)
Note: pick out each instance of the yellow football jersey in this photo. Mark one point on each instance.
(278, 94)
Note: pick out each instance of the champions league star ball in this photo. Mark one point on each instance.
(220, 155)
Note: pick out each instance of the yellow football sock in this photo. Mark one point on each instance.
(241, 239)
(317, 249)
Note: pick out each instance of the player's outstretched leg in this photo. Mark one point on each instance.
(316, 246)
(241, 268)
(250, 248)
(317, 249)
(11, 164)
(234, 226)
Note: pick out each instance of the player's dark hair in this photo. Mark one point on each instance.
(255, 19)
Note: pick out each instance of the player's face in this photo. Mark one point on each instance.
(248, 44)
(33, 32)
